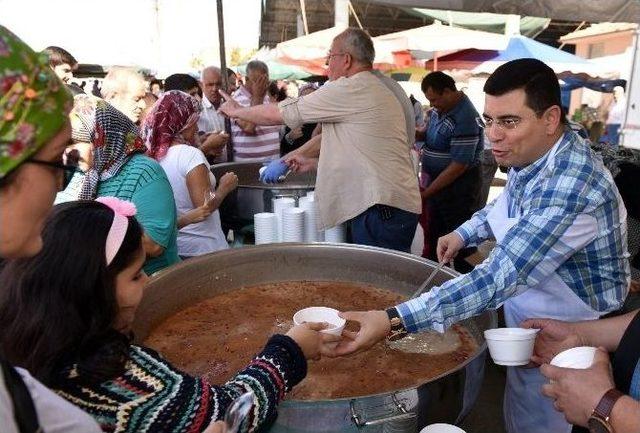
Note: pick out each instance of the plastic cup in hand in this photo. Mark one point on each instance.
(510, 346)
(576, 357)
(326, 315)
(280, 178)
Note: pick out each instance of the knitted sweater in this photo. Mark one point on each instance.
(152, 396)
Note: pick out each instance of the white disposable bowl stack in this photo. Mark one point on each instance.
(293, 224)
(265, 226)
(311, 217)
(279, 204)
(337, 234)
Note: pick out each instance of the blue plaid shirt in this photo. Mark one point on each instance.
(549, 199)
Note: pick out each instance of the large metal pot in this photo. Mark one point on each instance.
(447, 398)
(253, 196)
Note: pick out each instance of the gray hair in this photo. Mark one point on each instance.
(118, 79)
(209, 69)
(257, 65)
(359, 44)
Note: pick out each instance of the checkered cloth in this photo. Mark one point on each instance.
(574, 186)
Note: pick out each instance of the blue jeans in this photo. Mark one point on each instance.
(612, 134)
(385, 227)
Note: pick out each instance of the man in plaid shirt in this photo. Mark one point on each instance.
(560, 231)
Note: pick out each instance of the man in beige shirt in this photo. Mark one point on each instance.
(365, 173)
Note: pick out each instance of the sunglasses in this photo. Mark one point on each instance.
(68, 170)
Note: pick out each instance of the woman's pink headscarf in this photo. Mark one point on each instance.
(174, 112)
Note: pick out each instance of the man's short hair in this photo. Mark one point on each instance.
(183, 82)
(359, 44)
(257, 65)
(438, 82)
(118, 80)
(59, 56)
(155, 81)
(207, 69)
(539, 82)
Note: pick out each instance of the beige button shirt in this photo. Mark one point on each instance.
(365, 152)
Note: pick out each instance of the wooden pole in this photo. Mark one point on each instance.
(303, 9)
(355, 15)
(225, 76)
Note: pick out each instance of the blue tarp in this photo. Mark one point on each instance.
(522, 47)
(606, 86)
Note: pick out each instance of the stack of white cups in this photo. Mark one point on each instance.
(279, 204)
(336, 234)
(293, 224)
(265, 227)
(311, 217)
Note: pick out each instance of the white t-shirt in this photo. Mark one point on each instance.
(55, 414)
(616, 114)
(210, 120)
(198, 238)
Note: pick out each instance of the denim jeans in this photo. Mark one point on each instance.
(384, 226)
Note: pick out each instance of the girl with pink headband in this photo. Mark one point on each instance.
(66, 315)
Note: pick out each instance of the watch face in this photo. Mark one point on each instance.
(598, 425)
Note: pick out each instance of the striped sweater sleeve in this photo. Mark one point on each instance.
(152, 396)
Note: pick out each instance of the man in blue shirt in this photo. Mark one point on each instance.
(560, 231)
(451, 159)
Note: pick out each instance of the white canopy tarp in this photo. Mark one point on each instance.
(569, 10)
(422, 42)
(441, 38)
(309, 51)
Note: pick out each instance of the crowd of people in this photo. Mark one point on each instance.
(129, 171)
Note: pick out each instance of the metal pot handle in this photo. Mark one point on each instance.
(360, 421)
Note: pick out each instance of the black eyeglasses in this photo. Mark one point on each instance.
(68, 170)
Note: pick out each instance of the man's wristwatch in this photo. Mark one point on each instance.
(398, 330)
(599, 420)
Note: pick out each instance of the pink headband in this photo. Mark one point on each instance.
(121, 210)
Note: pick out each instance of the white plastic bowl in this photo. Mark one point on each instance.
(576, 357)
(442, 428)
(321, 314)
(510, 346)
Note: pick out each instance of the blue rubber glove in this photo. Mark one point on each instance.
(274, 171)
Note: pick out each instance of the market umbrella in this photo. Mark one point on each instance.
(307, 51)
(280, 71)
(487, 61)
(437, 38)
(414, 74)
(310, 51)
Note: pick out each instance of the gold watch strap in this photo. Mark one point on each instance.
(397, 326)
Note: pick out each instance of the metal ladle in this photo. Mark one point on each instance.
(410, 343)
(237, 411)
(430, 278)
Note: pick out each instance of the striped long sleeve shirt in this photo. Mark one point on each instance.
(263, 145)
